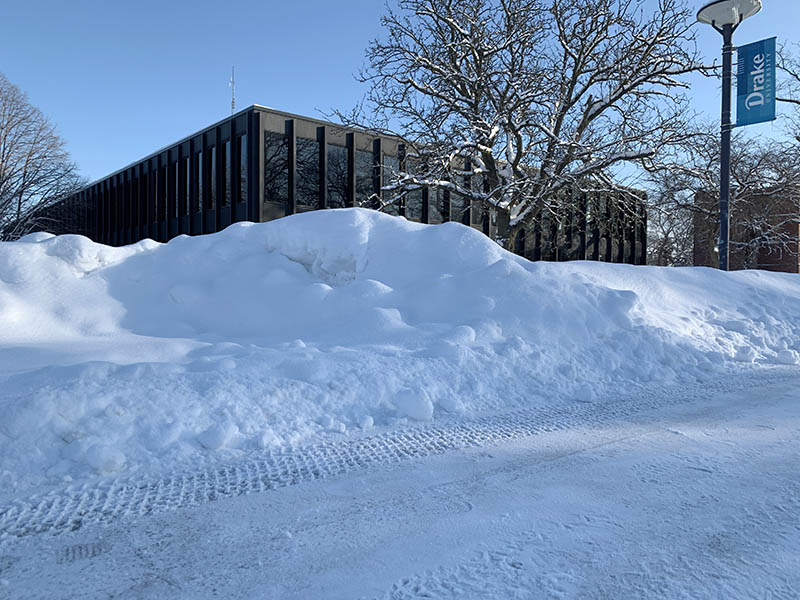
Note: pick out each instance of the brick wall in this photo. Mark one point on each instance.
(706, 233)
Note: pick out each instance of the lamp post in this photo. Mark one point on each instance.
(725, 16)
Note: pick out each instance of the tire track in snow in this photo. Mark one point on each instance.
(72, 508)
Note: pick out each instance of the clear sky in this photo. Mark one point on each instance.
(121, 79)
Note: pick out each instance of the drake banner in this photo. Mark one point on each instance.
(755, 94)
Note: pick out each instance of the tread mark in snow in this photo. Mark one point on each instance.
(72, 508)
(81, 551)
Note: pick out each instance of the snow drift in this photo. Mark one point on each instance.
(156, 356)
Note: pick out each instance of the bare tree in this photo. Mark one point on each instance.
(788, 65)
(670, 222)
(518, 104)
(765, 203)
(35, 169)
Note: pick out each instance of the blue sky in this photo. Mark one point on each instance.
(121, 79)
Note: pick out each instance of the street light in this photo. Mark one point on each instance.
(725, 16)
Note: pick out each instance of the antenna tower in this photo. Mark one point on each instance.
(232, 83)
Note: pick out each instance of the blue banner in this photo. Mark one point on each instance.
(755, 94)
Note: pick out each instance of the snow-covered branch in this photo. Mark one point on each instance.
(535, 96)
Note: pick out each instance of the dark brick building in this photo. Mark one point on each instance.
(765, 232)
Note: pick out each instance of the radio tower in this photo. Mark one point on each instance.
(232, 83)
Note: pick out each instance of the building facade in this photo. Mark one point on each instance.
(262, 164)
(764, 232)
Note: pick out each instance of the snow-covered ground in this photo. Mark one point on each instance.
(156, 358)
(696, 499)
(343, 404)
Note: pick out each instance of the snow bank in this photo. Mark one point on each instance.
(155, 356)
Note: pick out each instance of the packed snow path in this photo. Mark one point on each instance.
(71, 509)
(696, 499)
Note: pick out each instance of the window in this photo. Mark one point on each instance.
(519, 243)
(174, 193)
(307, 172)
(226, 169)
(101, 209)
(458, 208)
(414, 197)
(364, 191)
(135, 199)
(153, 189)
(477, 207)
(276, 167)
(211, 178)
(128, 203)
(459, 205)
(337, 176)
(197, 178)
(437, 204)
(414, 205)
(120, 191)
(242, 150)
(111, 193)
(144, 189)
(187, 188)
(162, 193)
(391, 169)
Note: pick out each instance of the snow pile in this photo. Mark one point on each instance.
(156, 356)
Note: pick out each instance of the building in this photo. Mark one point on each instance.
(764, 232)
(592, 226)
(262, 164)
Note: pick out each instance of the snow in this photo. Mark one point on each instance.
(151, 358)
(694, 500)
(414, 404)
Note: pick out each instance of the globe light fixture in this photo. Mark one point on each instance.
(728, 12)
(725, 16)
